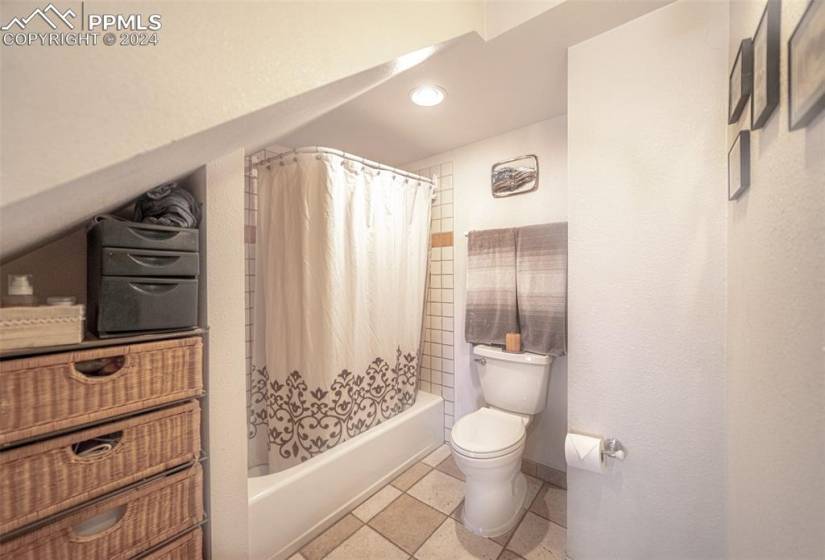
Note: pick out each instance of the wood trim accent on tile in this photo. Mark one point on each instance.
(444, 239)
(249, 234)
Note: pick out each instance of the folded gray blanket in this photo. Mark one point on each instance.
(168, 205)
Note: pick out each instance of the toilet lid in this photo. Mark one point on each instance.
(487, 433)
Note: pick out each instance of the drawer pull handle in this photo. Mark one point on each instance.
(153, 289)
(97, 447)
(102, 367)
(153, 260)
(154, 235)
(99, 525)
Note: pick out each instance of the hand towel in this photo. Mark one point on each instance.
(491, 310)
(541, 277)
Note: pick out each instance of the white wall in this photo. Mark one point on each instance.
(776, 329)
(219, 186)
(215, 61)
(647, 204)
(475, 208)
(501, 16)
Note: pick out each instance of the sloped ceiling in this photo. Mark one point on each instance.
(35, 220)
(517, 78)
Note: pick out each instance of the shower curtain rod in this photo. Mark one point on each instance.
(269, 157)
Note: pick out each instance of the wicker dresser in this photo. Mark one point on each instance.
(100, 450)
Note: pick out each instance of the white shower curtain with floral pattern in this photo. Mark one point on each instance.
(341, 257)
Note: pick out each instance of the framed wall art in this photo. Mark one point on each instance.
(740, 81)
(806, 66)
(739, 165)
(765, 94)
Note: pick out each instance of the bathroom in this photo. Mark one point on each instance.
(331, 388)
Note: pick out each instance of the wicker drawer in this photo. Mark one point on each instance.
(50, 393)
(120, 527)
(188, 547)
(47, 477)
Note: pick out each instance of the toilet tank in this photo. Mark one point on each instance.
(513, 381)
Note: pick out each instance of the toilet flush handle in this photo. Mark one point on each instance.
(481, 361)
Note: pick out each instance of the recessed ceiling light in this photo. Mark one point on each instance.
(427, 96)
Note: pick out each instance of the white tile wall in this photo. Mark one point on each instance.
(251, 208)
(437, 370)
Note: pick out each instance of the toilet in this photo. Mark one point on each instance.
(488, 444)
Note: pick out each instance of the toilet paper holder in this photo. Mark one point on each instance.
(611, 447)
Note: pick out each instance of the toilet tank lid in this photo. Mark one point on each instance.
(495, 353)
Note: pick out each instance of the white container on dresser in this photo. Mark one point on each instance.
(100, 450)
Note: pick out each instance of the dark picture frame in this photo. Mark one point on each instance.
(766, 53)
(740, 81)
(806, 66)
(739, 165)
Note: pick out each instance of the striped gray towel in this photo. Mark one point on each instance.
(541, 270)
(491, 286)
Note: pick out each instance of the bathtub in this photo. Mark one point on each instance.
(289, 508)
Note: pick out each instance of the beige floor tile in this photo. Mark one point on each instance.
(453, 542)
(367, 544)
(407, 522)
(437, 456)
(551, 503)
(411, 476)
(533, 487)
(509, 555)
(376, 503)
(439, 490)
(332, 537)
(456, 514)
(448, 466)
(539, 539)
(296, 556)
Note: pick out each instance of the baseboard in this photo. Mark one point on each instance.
(545, 473)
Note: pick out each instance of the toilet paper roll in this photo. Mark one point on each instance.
(584, 452)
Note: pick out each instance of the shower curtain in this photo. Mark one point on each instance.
(340, 279)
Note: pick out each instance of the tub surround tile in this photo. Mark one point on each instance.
(439, 490)
(551, 503)
(448, 466)
(412, 475)
(539, 539)
(453, 542)
(376, 503)
(407, 522)
(367, 544)
(434, 458)
(327, 541)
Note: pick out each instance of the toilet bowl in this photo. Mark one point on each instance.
(488, 444)
(487, 447)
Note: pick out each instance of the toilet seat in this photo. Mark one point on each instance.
(488, 433)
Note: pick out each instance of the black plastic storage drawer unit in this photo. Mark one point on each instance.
(141, 277)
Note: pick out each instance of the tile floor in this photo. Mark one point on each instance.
(417, 516)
